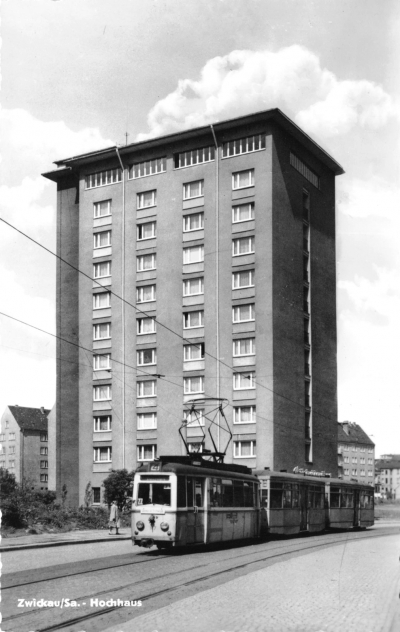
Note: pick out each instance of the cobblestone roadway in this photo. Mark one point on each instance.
(352, 587)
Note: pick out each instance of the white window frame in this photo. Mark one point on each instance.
(140, 323)
(96, 239)
(141, 451)
(236, 243)
(140, 389)
(11, 449)
(44, 478)
(141, 423)
(101, 450)
(97, 208)
(11, 436)
(187, 385)
(236, 178)
(195, 418)
(103, 178)
(141, 258)
(237, 343)
(140, 292)
(239, 146)
(237, 415)
(187, 352)
(187, 219)
(97, 422)
(142, 196)
(97, 390)
(148, 167)
(98, 328)
(96, 300)
(190, 252)
(236, 211)
(347, 472)
(245, 381)
(237, 449)
(44, 465)
(96, 361)
(139, 228)
(140, 355)
(236, 318)
(187, 283)
(187, 319)
(44, 437)
(97, 267)
(187, 194)
(44, 450)
(194, 157)
(236, 279)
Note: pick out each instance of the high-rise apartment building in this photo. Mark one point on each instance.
(204, 266)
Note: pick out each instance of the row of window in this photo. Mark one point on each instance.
(11, 436)
(11, 463)
(346, 459)
(354, 448)
(356, 473)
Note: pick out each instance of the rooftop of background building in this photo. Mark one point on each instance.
(30, 418)
(350, 432)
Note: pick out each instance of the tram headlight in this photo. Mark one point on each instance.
(164, 526)
(140, 525)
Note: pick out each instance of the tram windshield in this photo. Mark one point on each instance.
(154, 494)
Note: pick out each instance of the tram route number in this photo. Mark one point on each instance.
(232, 517)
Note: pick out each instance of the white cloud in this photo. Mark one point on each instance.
(21, 206)
(374, 197)
(292, 79)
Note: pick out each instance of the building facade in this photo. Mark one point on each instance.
(24, 444)
(387, 480)
(356, 453)
(203, 266)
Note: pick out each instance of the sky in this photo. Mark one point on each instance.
(78, 74)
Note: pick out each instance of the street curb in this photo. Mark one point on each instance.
(39, 545)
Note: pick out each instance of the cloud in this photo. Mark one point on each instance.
(23, 207)
(292, 79)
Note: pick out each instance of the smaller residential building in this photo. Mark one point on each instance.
(356, 453)
(24, 444)
(387, 481)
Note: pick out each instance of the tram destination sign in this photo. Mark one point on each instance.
(302, 470)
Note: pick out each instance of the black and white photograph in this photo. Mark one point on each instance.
(199, 315)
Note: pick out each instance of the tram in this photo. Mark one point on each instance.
(349, 505)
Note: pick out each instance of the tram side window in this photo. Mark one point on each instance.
(347, 498)
(295, 496)
(189, 489)
(366, 500)
(335, 497)
(248, 494)
(227, 493)
(238, 494)
(264, 498)
(317, 497)
(276, 496)
(181, 491)
(287, 495)
(198, 491)
(215, 493)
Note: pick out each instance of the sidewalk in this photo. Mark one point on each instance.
(41, 540)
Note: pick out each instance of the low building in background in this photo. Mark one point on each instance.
(356, 453)
(387, 482)
(24, 444)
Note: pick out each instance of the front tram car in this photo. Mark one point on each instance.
(187, 500)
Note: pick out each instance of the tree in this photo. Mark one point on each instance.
(118, 486)
(7, 483)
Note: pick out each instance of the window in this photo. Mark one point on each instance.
(354, 459)
(44, 436)
(369, 461)
(146, 326)
(102, 393)
(244, 415)
(102, 455)
(242, 246)
(96, 495)
(193, 254)
(102, 424)
(305, 171)
(2, 463)
(12, 449)
(102, 331)
(2, 436)
(370, 473)
(347, 472)
(362, 473)
(193, 352)
(242, 212)
(346, 447)
(362, 460)
(193, 385)
(146, 452)
(244, 449)
(193, 189)
(146, 356)
(354, 472)
(145, 293)
(102, 209)
(191, 287)
(3, 449)
(146, 421)
(243, 179)
(194, 157)
(193, 319)
(194, 417)
(244, 347)
(243, 313)
(370, 450)
(102, 269)
(103, 239)
(193, 222)
(148, 168)
(102, 362)
(147, 388)
(243, 145)
(44, 465)
(244, 381)
(101, 178)
(243, 279)
(7, 424)
(146, 199)
(11, 436)
(346, 459)
(195, 448)
(101, 300)
(146, 262)
(44, 478)
(11, 463)
(146, 231)
(44, 451)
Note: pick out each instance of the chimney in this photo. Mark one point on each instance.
(42, 410)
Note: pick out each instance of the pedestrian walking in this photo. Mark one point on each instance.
(114, 518)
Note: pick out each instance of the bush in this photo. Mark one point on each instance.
(118, 486)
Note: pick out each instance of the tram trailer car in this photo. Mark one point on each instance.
(349, 504)
(180, 501)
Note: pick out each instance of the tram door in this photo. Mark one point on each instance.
(195, 511)
(356, 521)
(303, 508)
